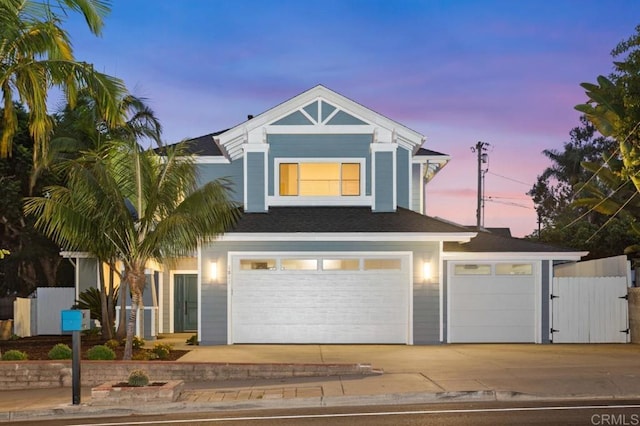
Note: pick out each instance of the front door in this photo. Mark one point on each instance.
(185, 296)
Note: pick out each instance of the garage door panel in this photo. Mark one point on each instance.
(278, 306)
(491, 308)
(492, 301)
(509, 334)
(494, 318)
(492, 287)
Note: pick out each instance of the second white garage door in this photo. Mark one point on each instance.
(492, 303)
(336, 298)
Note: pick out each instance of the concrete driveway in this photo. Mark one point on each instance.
(605, 370)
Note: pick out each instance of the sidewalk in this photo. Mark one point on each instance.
(412, 374)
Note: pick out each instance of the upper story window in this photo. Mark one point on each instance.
(319, 179)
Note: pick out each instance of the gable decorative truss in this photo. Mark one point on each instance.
(318, 110)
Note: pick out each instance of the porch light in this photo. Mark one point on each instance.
(426, 271)
(213, 270)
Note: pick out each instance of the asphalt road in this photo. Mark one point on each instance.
(595, 413)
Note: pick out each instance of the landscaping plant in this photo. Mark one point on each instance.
(138, 378)
(101, 352)
(60, 351)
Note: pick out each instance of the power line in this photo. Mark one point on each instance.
(511, 179)
(509, 203)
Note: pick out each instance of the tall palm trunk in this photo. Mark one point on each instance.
(104, 307)
(136, 279)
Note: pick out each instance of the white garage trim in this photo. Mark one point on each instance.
(498, 297)
(405, 272)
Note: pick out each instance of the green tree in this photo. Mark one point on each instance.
(81, 129)
(564, 192)
(35, 260)
(147, 207)
(613, 105)
(36, 55)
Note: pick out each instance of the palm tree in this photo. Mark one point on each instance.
(36, 54)
(147, 207)
(81, 129)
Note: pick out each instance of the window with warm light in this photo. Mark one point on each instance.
(319, 179)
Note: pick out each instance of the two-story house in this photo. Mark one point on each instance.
(334, 245)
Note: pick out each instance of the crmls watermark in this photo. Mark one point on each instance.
(615, 419)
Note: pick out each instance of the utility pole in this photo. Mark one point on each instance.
(481, 149)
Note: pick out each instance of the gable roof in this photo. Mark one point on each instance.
(251, 131)
(318, 221)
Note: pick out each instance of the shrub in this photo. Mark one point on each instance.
(162, 350)
(144, 356)
(193, 340)
(14, 355)
(101, 352)
(138, 378)
(112, 344)
(137, 342)
(60, 351)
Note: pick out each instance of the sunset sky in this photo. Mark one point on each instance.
(503, 72)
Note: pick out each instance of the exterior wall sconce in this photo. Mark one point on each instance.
(213, 271)
(426, 271)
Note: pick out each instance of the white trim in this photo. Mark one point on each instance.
(211, 159)
(537, 314)
(441, 290)
(76, 254)
(300, 200)
(161, 302)
(172, 274)
(199, 279)
(228, 141)
(315, 254)
(348, 236)
(350, 129)
(496, 256)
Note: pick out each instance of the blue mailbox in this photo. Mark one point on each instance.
(74, 320)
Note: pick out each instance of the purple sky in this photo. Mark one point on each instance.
(502, 72)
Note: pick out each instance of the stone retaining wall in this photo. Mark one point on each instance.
(50, 374)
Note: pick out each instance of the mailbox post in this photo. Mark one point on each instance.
(75, 320)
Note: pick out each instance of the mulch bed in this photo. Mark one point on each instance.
(38, 347)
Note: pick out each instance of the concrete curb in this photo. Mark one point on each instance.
(85, 411)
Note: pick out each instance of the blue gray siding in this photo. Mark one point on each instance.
(319, 146)
(342, 118)
(255, 182)
(402, 170)
(214, 314)
(546, 294)
(416, 188)
(293, 119)
(383, 197)
(232, 171)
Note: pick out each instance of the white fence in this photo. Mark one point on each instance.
(589, 310)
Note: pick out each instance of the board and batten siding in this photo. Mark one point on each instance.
(319, 146)
(403, 163)
(383, 197)
(214, 318)
(416, 188)
(255, 199)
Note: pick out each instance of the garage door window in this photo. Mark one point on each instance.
(472, 269)
(514, 269)
(382, 264)
(340, 264)
(299, 264)
(257, 264)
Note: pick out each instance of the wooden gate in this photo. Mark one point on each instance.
(589, 310)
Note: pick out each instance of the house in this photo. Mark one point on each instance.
(334, 245)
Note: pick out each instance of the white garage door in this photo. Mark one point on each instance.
(492, 303)
(320, 299)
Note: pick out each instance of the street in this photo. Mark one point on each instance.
(596, 413)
